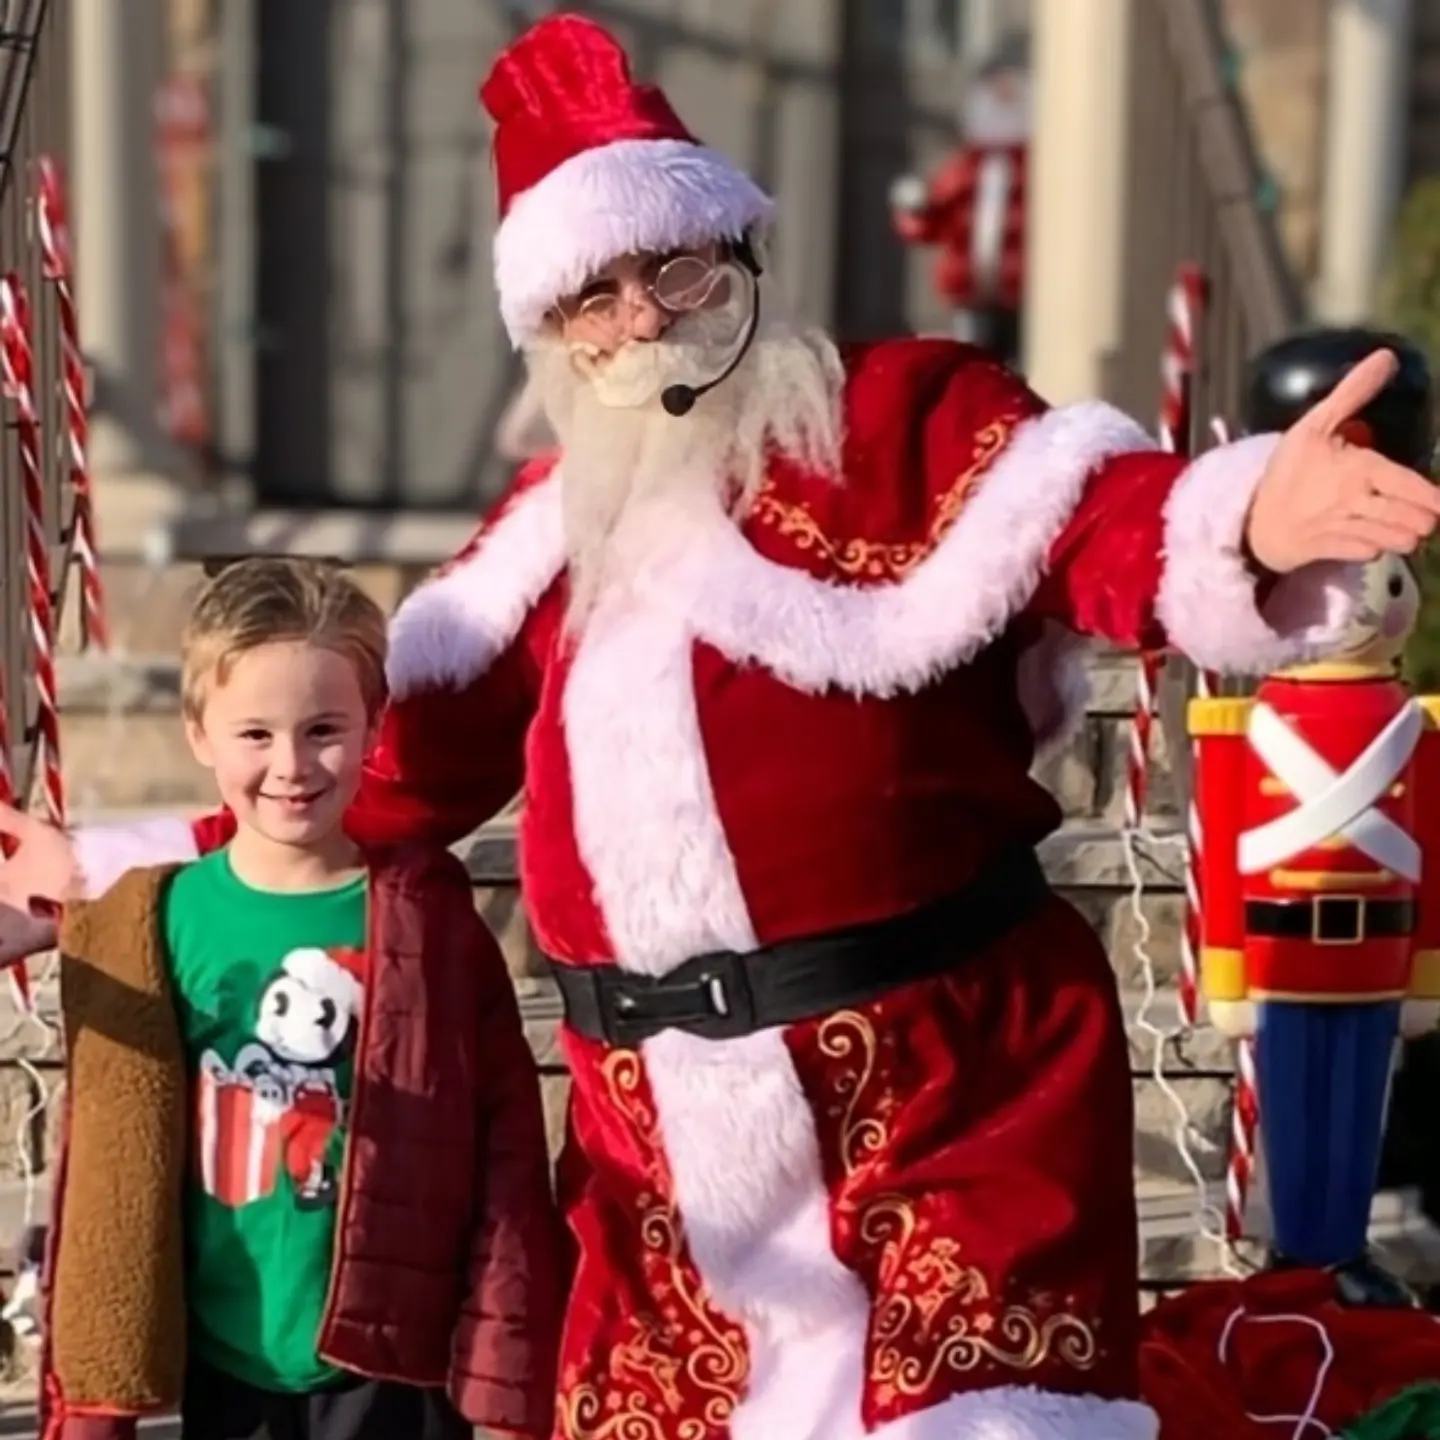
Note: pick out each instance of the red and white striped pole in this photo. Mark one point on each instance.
(1245, 1112)
(57, 260)
(1183, 310)
(1244, 1122)
(17, 369)
(18, 975)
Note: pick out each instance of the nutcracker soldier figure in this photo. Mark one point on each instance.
(1319, 800)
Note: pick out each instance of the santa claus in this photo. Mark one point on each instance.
(770, 647)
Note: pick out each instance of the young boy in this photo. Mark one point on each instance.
(304, 1191)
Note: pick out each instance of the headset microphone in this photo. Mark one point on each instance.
(679, 400)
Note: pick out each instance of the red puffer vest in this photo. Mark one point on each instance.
(448, 1259)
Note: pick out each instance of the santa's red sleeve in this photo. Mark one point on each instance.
(449, 753)
(1115, 539)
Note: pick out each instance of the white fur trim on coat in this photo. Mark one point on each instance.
(449, 630)
(618, 199)
(1206, 600)
(738, 1132)
(737, 1128)
(103, 853)
(884, 639)
(1015, 1412)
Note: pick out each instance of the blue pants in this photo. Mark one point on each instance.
(1323, 1073)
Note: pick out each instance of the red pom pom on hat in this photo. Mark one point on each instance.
(590, 165)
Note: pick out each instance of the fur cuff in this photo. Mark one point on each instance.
(449, 630)
(1015, 1412)
(103, 853)
(1207, 591)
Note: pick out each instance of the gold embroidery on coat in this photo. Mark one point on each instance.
(715, 1362)
(916, 1286)
(880, 559)
(844, 1036)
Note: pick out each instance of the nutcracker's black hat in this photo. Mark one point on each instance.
(1289, 377)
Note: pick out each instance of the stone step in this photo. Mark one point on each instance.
(1181, 1235)
(121, 744)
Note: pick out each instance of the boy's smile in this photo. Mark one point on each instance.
(285, 731)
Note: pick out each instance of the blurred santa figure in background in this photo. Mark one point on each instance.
(972, 208)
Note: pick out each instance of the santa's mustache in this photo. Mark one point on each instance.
(694, 348)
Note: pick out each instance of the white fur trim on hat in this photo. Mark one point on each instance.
(617, 199)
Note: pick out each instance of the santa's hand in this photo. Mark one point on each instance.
(1323, 498)
(40, 871)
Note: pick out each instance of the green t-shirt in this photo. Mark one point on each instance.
(268, 989)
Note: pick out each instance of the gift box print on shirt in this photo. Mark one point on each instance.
(275, 1107)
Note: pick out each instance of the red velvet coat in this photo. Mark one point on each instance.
(911, 1220)
(448, 1254)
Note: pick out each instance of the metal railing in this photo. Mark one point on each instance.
(34, 126)
(1194, 191)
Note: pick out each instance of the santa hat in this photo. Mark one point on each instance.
(336, 974)
(589, 166)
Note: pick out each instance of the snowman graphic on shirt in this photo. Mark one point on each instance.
(277, 1107)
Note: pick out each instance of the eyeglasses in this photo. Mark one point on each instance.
(681, 284)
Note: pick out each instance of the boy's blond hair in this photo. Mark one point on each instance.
(265, 599)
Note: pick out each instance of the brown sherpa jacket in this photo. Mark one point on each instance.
(448, 1258)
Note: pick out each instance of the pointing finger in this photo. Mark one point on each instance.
(1358, 388)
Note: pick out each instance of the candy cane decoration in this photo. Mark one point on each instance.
(58, 265)
(1137, 768)
(1245, 1112)
(17, 370)
(18, 975)
(1183, 309)
(1244, 1122)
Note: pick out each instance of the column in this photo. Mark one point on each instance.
(1076, 193)
(1367, 109)
(116, 60)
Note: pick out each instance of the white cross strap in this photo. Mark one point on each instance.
(1328, 802)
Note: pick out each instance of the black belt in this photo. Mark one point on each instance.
(1330, 919)
(724, 995)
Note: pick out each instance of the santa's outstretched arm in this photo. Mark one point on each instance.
(1153, 554)
(1088, 522)
(450, 750)
(1067, 514)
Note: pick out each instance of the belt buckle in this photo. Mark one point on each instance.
(1337, 920)
(725, 990)
(708, 996)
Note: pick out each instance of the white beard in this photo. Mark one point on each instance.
(622, 449)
